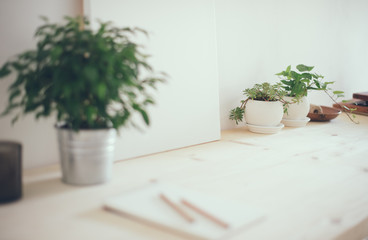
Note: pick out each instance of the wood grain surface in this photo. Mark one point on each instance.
(311, 183)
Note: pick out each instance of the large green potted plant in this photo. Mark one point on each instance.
(92, 80)
(262, 109)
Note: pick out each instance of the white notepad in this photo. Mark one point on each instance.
(146, 206)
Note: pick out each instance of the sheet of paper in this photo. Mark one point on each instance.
(145, 205)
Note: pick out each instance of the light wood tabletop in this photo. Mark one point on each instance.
(311, 183)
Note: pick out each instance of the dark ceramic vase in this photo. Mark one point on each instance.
(10, 171)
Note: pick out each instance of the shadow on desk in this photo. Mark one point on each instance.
(122, 226)
(46, 187)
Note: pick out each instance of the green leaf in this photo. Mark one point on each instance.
(15, 119)
(142, 112)
(18, 66)
(56, 52)
(145, 117)
(237, 114)
(286, 82)
(317, 83)
(90, 111)
(288, 68)
(91, 73)
(44, 18)
(148, 101)
(9, 108)
(296, 76)
(4, 71)
(283, 73)
(39, 114)
(15, 93)
(338, 92)
(304, 68)
(101, 91)
(307, 76)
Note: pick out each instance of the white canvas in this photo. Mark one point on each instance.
(182, 42)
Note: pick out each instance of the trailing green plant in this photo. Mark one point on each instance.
(298, 83)
(261, 92)
(91, 79)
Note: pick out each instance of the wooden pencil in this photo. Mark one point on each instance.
(176, 208)
(205, 214)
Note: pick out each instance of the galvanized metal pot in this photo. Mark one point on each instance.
(86, 156)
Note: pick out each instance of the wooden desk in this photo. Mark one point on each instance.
(311, 182)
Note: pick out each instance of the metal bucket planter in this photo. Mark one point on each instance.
(86, 156)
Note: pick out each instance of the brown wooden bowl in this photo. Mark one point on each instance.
(327, 114)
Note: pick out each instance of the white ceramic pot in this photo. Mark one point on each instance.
(263, 113)
(297, 111)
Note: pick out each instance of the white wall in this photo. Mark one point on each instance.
(187, 110)
(182, 43)
(258, 38)
(18, 22)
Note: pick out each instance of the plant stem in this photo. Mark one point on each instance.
(342, 107)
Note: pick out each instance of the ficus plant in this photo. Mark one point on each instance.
(261, 92)
(90, 78)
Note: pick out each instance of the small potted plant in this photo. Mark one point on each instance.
(297, 84)
(92, 81)
(263, 108)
